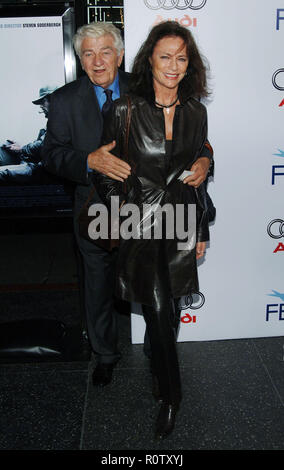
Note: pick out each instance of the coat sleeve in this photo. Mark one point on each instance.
(202, 209)
(202, 219)
(32, 152)
(59, 155)
(207, 151)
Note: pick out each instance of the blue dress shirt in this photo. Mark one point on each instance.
(100, 92)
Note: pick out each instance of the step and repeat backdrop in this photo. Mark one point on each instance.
(242, 277)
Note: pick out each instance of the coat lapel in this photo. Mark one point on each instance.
(194, 138)
(89, 113)
(88, 102)
(89, 106)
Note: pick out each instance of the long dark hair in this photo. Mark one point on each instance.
(194, 82)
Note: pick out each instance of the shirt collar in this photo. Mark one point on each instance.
(115, 91)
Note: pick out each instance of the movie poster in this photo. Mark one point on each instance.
(33, 65)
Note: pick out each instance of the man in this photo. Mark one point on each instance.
(25, 160)
(72, 150)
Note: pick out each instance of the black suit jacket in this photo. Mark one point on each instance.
(74, 129)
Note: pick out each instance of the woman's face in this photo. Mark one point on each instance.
(169, 62)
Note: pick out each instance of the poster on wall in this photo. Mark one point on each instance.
(36, 58)
(241, 278)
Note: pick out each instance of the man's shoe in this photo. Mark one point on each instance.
(102, 374)
(166, 420)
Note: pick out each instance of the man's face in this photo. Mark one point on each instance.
(44, 106)
(100, 60)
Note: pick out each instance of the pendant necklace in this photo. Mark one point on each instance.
(167, 106)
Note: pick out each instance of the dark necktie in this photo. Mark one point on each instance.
(108, 103)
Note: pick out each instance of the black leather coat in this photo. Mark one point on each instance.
(153, 181)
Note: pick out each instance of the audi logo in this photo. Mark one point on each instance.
(171, 4)
(193, 301)
(275, 228)
(274, 80)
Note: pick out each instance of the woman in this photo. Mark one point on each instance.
(167, 133)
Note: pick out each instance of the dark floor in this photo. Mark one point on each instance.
(233, 391)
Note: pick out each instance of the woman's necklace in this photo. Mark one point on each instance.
(167, 106)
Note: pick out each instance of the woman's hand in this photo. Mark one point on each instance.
(200, 249)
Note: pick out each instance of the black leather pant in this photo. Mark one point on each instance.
(162, 321)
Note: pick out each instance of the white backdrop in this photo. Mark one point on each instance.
(241, 279)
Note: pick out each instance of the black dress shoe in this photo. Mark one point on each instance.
(102, 374)
(166, 420)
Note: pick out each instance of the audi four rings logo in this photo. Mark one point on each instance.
(275, 228)
(275, 80)
(193, 301)
(171, 4)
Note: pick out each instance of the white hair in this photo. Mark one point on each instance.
(95, 30)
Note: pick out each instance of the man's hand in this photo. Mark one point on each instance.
(200, 249)
(200, 168)
(104, 162)
(13, 146)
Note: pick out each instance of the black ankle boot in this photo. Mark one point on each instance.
(166, 420)
(155, 385)
(156, 389)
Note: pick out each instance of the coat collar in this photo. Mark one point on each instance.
(88, 99)
(89, 106)
(86, 85)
